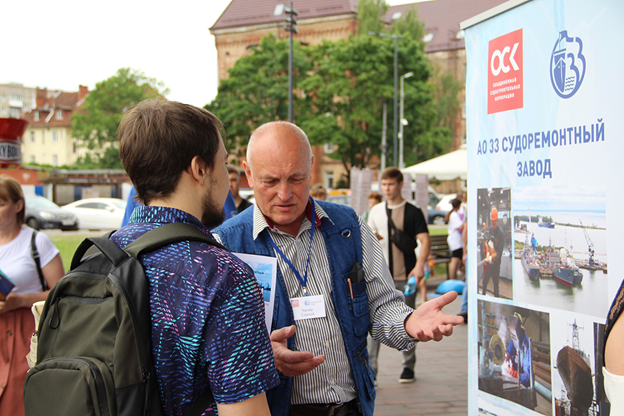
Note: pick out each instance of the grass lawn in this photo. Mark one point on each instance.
(68, 242)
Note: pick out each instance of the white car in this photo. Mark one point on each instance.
(445, 203)
(98, 213)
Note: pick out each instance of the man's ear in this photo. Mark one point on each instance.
(248, 173)
(198, 170)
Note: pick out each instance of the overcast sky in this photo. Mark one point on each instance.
(62, 44)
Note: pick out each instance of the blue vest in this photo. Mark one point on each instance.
(344, 248)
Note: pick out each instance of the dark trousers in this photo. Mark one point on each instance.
(494, 274)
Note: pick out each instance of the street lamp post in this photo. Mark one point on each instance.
(396, 87)
(291, 27)
(403, 121)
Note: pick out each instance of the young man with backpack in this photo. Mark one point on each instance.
(205, 307)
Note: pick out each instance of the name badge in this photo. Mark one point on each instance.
(308, 307)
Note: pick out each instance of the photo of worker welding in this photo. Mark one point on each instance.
(514, 358)
(494, 256)
(578, 384)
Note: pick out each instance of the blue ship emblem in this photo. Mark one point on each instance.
(567, 65)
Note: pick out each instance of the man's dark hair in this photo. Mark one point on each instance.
(392, 173)
(159, 138)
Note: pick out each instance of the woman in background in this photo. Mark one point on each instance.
(16, 320)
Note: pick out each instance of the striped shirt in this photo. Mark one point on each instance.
(332, 381)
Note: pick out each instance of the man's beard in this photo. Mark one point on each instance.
(213, 215)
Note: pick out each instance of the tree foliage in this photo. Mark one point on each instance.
(351, 82)
(370, 16)
(95, 125)
(256, 91)
(341, 88)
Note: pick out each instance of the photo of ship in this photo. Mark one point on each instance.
(564, 267)
(574, 381)
(529, 259)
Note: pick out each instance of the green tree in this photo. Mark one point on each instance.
(95, 125)
(256, 91)
(351, 82)
(370, 16)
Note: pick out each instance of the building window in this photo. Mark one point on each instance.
(4, 110)
(59, 114)
(36, 115)
(42, 136)
(279, 9)
(14, 112)
(74, 148)
(32, 159)
(3, 98)
(329, 179)
(54, 136)
(54, 160)
(32, 137)
(329, 147)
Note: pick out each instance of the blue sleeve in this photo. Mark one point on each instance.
(132, 203)
(229, 208)
(239, 353)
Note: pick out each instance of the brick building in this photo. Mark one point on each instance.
(245, 22)
(49, 139)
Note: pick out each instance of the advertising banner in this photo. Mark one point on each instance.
(544, 218)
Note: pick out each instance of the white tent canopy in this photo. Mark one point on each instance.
(447, 167)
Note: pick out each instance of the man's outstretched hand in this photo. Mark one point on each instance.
(428, 322)
(288, 362)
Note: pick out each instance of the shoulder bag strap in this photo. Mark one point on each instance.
(35, 256)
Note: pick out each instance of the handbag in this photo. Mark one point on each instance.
(400, 238)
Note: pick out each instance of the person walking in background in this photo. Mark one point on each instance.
(374, 198)
(319, 192)
(241, 203)
(455, 241)
(397, 216)
(32, 283)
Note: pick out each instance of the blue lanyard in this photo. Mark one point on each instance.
(303, 280)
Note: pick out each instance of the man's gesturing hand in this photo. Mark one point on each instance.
(429, 322)
(288, 362)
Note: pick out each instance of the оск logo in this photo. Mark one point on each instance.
(505, 71)
(567, 65)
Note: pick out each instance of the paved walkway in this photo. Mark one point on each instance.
(441, 386)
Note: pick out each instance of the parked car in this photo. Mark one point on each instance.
(445, 203)
(41, 213)
(436, 216)
(98, 213)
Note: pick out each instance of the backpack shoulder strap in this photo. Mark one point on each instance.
(168, 234)
(35, 256)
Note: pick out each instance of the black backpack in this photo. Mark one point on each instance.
(94, 346)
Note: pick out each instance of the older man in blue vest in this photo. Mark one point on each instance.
(327, 256)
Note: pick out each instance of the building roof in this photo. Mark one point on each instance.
(256, 12)
(442, 19)
(48, 102)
